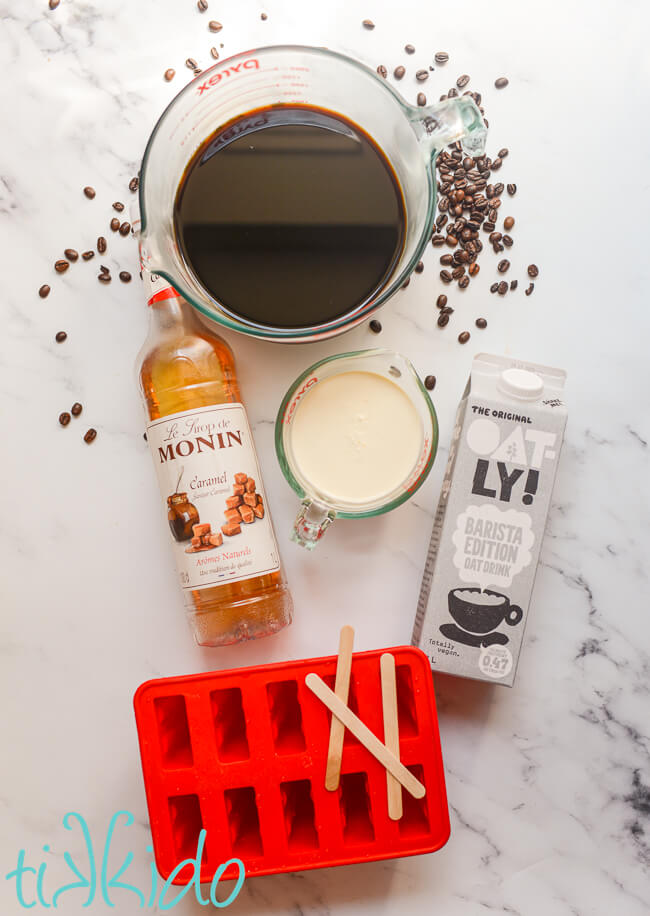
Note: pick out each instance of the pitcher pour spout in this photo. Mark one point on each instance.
(446, 122)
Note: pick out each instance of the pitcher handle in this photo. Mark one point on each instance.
(445, 122)
(311, 523)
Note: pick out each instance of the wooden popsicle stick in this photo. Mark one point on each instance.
(341, 689)
(391, 730)
(360, 731)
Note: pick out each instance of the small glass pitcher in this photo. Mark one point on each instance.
(318, 511)
(410, 137)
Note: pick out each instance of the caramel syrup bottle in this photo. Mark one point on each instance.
(203, 450)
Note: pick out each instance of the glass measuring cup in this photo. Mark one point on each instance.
(410, 137)
(319, 511)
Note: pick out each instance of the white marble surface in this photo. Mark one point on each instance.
(548, 783)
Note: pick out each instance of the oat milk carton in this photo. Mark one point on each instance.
(490, 520)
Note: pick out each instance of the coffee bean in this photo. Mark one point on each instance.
(498, 189)
(71, 254)
(501, 83)
(368, 24)
(458, 272)
(115, 224)
(503, 266)
(44, 291)
(481, 323)
(452, 241)
(125, 276)
(422, 75)
(514, 284)
(53, 4)
(87, 255)
(430, 382)
(512, 189)
(495, 237)
(445, 276)
(61, 266)
(169, 75)
(125, 228)
(443, 320)
(533, 270)
(90, 435)
(441, 301)
(530, 289)
(60, 336)
(437, 241)
(89, 192)
(419, 267)
(409, 49)
(202, 5)
(104, 269)
(494, 287)
(446, 259)
(503, 152)
(447, 310)
(405, 283)
(214, 26)
(64, 418)
(101, 241)
(441, 57)
(508, 241)
(191, 64)
(399, 72)
(214, 53)
(118, 205)
(463, 337)
(496, 165)
(422, 99)
(382, 71)
(264, 16)
(473, 269)
(508, 222)
(462, 81)
(104, 277)
(76, 409)
(463, 283)
(488, 226)
(375, 326)
(502, 288)
(144, 436)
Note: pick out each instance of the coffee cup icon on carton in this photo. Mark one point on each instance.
(482, 611)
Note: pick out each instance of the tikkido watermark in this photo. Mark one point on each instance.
(94, 878)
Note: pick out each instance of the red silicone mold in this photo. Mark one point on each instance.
(242, 754)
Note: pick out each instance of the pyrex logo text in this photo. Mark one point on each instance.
(250, 64)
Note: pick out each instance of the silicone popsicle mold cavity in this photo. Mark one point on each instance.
(242, 754)
(229, 724)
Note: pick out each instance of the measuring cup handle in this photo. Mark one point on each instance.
(311, 523)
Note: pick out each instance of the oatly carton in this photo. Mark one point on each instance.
(490, 520)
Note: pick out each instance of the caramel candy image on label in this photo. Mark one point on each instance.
(241, 478)
(216, 539)
(231, 528)
(205, 540)
(250, 485)
(196, 542)
(232, 515)
(250, 499)
(238, 489)
(259, 510)
(233, 501)
(247, 514)
(200, 530)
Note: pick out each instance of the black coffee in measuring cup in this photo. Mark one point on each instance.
(290, 216)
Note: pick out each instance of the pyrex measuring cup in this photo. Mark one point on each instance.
(410, 138)
(318, 510)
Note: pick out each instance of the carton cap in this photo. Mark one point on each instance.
(521, 384)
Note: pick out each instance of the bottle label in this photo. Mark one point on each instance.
(213, 494)
(157, 288)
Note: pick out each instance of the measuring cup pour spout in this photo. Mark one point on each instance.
(454, 119)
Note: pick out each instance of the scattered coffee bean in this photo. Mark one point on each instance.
(441, 57)
(446, 259)
(118, 205)
(496, 164)
(71, 254)
(458, 272)
(501, 83)
(508, 241)
(53, 4)
(125, 228)
(375, 326)
(409, 49)
(214, 53)
(445, 276)
(512, 189)
(104, 269)
(202, 5)
(531, 287)
(443, 320)
(441, 301)
(502, 289)
(368, 24)
(44, 291)
(422, 75)
(405, 283)
(503, 266)
(214, 26)
(419, 267)
(76, 409)
(481, 323)
(533, 270)
(437, 241)
(169, 75)
(191, 64)
(508, 222)
(104, 277)
(513, 285)
(115, 224)
(422, 99)
(89, 192)
(88, 255)
(125, 276)
(473, 269)
(101, 242)
(399, 72)
(463, 283)
(90, 435)
(430, 382)
(60, 336)
(494, 287)
(64, 418)
(382, 71)
(447, 310)
(463, 337)
(144, 436)
(61, 266)
(462, 81)
(264, 17)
